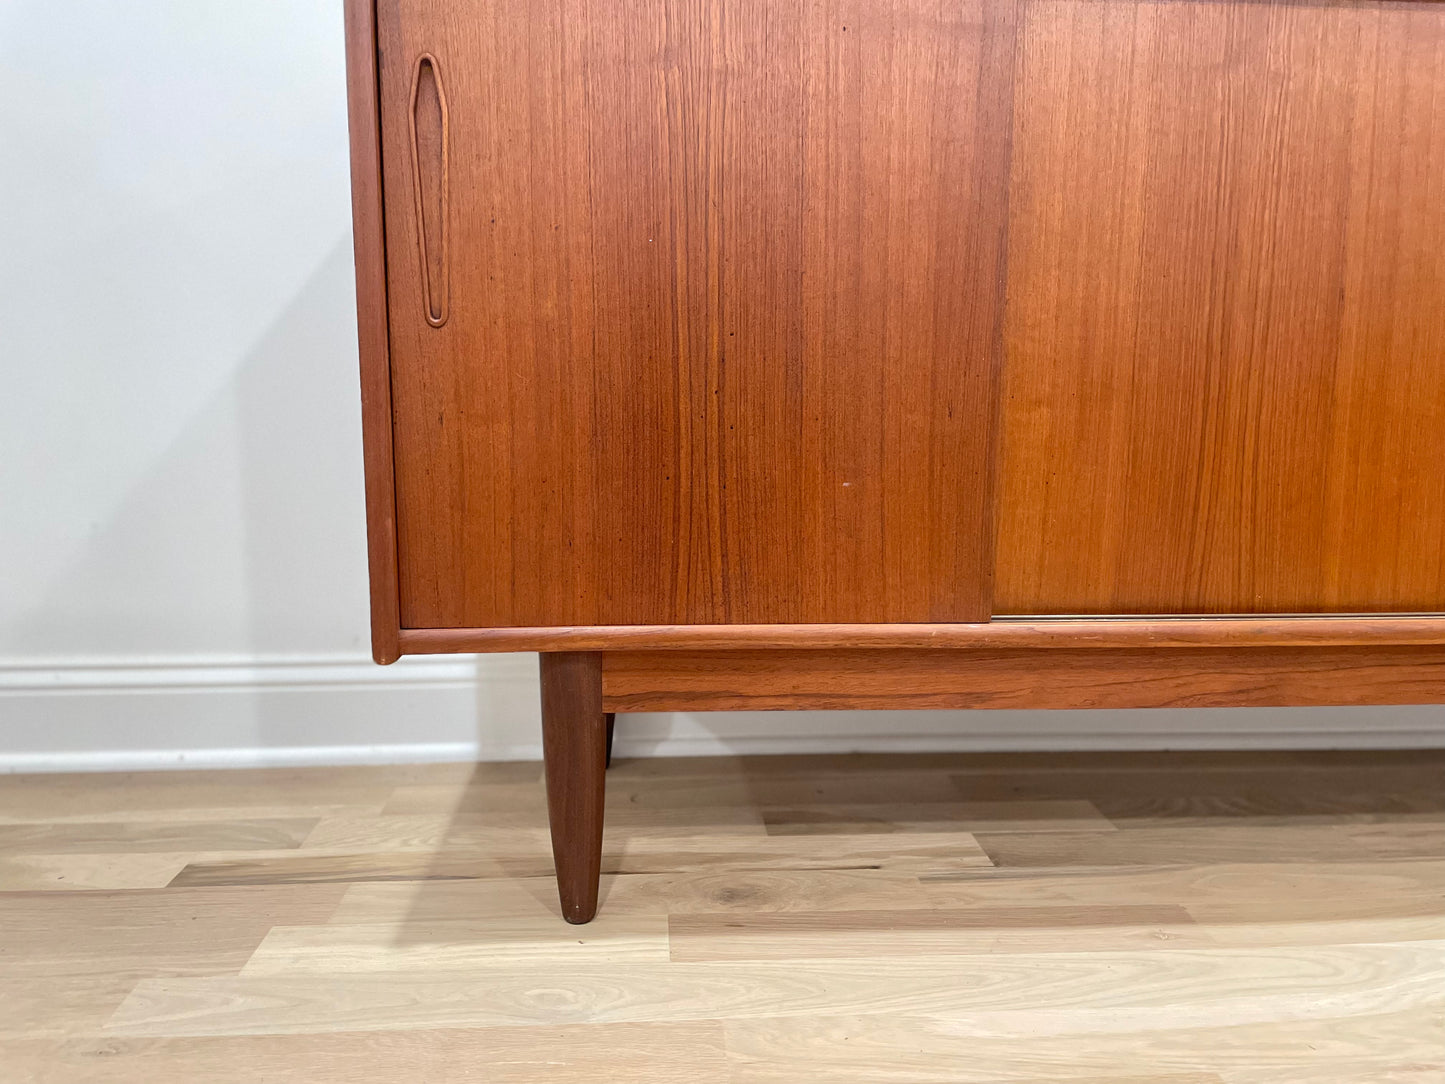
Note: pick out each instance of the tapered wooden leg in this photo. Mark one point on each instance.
(611, 718)
(574, 746)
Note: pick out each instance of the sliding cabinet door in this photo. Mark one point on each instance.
(695, 307)
(1225, 376)
(1226, 344)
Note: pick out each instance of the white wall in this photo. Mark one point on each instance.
(182, 564)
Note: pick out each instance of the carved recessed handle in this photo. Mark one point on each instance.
(429, 181)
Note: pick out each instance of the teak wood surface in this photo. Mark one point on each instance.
(729, 314)
(369, 240)
(576, 746)
(1225, 380)
(1212, 677)
(1020, 633)
(725, 287)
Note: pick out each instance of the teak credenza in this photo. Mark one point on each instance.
(902, 353)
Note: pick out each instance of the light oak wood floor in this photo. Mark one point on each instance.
(1109, 919)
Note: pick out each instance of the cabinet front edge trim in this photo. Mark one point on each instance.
(373, 329)
(1100, 632)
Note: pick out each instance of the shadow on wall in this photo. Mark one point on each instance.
(247, 532)
(237, 560)
(297, 407)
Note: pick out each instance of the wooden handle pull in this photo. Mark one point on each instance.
(429, 181)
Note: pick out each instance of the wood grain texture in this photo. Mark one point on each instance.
(915, 931)
(166, 931)
(1226, 272)
(1393, 1045)
(431, 186)
(373, 865)
(79, 837)
(1000, 633)
(368, 231)
(1237, 890)
(1201, 846)
(743, 891)
(457, 944)
(725, 307)
(815, 818)
(640, 851)
(574, 751)
(1098, 678)
(572, 1053)
(1203, 946)
(57, 1005)
(1020, 996)
(86, 872)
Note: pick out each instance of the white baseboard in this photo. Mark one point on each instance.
(135, 714)
(292, 756)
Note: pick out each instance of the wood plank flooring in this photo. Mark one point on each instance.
(1262, 918)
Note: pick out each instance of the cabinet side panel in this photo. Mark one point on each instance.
(724, 309)
(1225, 378)
(370, 247)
